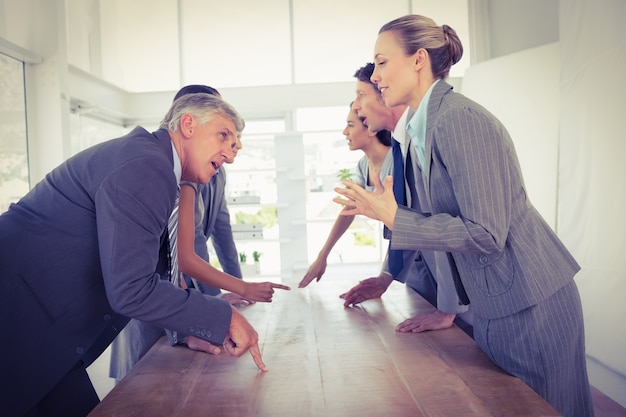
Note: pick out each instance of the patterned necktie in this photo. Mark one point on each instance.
(394, 257)
(176, 277)
(172, 230)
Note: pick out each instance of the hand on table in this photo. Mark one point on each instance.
(367, 289)
(237, 300)
(315, 271)
(262, 291)
(437, 320)
(242, 337)
(195, 343)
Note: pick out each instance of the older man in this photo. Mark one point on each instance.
(87, 248)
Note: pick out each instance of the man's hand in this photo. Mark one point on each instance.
(437, 320)
(367, 289)
(201, 345)
(236, 299)
(242, 337)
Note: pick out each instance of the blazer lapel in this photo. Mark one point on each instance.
(436, 97)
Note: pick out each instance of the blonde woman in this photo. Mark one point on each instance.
(518, 275)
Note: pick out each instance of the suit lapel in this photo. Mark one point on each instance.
(436, 97)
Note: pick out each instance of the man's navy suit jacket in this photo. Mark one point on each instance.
(81, 252)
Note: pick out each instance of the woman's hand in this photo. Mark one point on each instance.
(367, 289)
(378, 205)
(262, 291)
(315, 272)
(436, 320)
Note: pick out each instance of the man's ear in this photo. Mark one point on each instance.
(187, 125)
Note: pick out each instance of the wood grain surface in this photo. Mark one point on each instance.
(327, 360)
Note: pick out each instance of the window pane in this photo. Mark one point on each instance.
(326, 153)
(240, 42)
(311, 119)
(13, 142)
(254, 171)
(140, 44)
(361, 243)
(87, 131)
(264, 126)
(252, 195)
(332, 39)
(236, 43)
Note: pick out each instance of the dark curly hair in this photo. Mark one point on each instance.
(364, 74)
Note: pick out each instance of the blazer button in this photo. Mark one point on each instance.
(483, 259)
(80, 350)
(107, 317)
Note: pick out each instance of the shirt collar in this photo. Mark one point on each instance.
(399, 132)
(416, 127)
(177, 167)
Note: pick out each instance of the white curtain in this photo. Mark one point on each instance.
(565, 107)
(592, 168)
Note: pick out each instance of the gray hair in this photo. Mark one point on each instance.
(203, 107)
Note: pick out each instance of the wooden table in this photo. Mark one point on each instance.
(326, 360)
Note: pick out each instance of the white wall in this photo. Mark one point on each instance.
(520, 25)
(526, 100)
(563, 104)
(592, 194)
